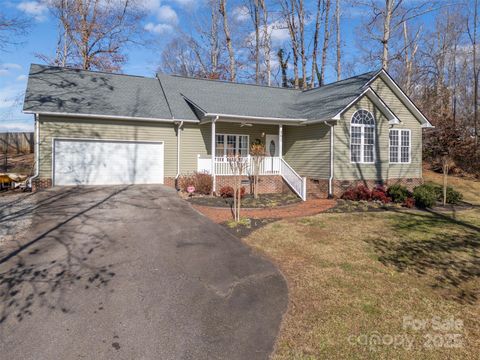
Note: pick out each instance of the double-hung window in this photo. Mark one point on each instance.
(400, 146)
(362, 137)
(231, 145)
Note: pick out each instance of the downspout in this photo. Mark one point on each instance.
(212, 149)
(179, 140)
(37, 154)
(330, 179)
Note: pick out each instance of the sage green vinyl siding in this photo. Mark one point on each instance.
(53, 127)
(408, 121)
(381, 169)
(196, 140)
(254, 132)
(307, 150)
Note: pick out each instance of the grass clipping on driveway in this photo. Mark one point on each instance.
(355, 278)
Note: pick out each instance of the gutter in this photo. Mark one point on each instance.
(330, 179)
(108, 117)
(179, 138)
(37, 155)
(230, 116)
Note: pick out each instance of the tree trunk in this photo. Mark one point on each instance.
(214, 51)
(256, 25)
(325, 43)
(445, 176)
(339, 44)
(475, 75)
(301, 29)
(284, 67)
(228, 39)
(266, 43)
(315, 44)
(386, 31)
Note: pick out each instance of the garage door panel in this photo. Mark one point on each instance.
(80, 162)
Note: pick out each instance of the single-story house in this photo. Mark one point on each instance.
(95, 128)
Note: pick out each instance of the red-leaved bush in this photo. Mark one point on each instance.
(360, 192)
(409, 202)
(380, 194)
(227, 191)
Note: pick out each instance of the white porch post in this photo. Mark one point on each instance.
(212, 145)
(280, 140)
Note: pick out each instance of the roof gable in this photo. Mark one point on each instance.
(400, 94)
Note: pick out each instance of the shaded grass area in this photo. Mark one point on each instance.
(263, 201)
(356, 276)
(469, 188)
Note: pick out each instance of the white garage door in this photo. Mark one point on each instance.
(95, 162)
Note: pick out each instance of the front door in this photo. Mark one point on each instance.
(272, 154)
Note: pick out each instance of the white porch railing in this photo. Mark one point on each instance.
(296, 182)
(270, 165)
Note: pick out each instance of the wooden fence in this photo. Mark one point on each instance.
(16, 143)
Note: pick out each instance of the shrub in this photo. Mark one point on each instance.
(409, 202)
(202, 182)
(453, 196)
(227, 192)
(379, 194)
(185, 181)
(425, 196)
(398, 193)
(360, 192)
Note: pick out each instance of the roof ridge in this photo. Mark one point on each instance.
(229, 82)
(91, 71)
(373, 72)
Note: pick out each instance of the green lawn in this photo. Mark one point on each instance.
(356, 276)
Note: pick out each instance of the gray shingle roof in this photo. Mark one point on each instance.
(61, 90)
(222, 97)
(327, 101)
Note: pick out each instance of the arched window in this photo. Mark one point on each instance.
(362, 137)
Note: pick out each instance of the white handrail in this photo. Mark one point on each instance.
(295, 181)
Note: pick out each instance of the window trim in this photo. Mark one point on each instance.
(362, 139)
(399, 147)
(237, 143)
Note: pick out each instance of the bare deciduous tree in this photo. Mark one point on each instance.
(326, 38)
(228, 40)
(339, 41)
(289, 16)
(12, 29)
(95, 32)
(315, 42)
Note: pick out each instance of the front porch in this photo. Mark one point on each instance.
(233, 139)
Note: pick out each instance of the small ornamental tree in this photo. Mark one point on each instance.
(443, 144)
(257, 153)
(237, 165)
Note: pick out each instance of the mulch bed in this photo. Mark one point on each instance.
(347, 206)
(263, 201)
(302, 208)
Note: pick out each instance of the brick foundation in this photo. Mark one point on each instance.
(169, 181)
(317, 188)
(267, 184)
(41, 183)
(340, 186)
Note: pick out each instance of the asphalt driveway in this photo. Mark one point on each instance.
(130, 273)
